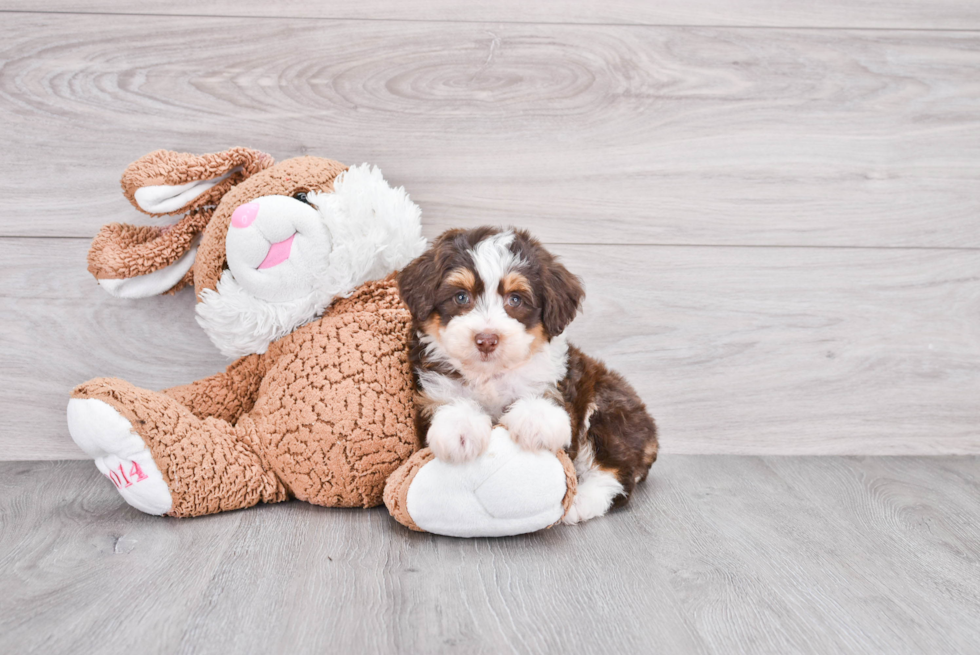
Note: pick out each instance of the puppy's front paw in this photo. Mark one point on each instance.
(459, 432)
(538, 424)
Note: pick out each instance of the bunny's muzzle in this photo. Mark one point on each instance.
(275, 247)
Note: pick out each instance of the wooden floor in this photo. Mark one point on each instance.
(717, 554)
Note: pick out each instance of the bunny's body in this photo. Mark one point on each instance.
(319, 404)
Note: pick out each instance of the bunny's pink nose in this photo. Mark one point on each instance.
(245, 215)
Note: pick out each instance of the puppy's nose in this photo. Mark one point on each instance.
(486, 342)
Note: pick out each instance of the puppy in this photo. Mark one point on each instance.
(489, 308)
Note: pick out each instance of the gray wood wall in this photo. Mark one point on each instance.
(776, 210)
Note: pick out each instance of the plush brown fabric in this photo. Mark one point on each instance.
(326, 415)
(287, 178)
(336, 413)
(396, 488)
(227, 395)
(166, 167)
(571, 482)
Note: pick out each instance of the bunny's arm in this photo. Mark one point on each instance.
(226, 395)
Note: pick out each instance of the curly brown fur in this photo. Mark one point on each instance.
(609, 418)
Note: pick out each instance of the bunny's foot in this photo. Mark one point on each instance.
(505, 491)
(119, 453)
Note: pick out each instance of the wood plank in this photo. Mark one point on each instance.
(764, 566)
(735, 350)
(71, 556)
(889, 508)
(920, 14)
(609, 134)
(713, 555)
(396, 591)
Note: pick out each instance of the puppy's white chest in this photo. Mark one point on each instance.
(538, 376)
(495, 391)
(496, 394)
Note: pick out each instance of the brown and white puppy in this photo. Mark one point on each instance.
(489, 309)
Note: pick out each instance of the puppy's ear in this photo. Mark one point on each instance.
(417, 285)
(167, 182)
(561, 291)
(563, 295)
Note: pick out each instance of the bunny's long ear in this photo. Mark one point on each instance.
(132, 261)
(166, 182)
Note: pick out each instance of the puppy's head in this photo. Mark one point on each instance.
(488, 299)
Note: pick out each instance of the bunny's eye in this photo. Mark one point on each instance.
(301, 197)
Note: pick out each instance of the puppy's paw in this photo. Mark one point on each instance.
(538, 424)
(597, 489)
(573, 515)
(459, 432)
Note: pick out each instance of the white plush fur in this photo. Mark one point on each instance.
(119, 453)
(460, 431)
(538, 424)
(373, 229)
(508, 491)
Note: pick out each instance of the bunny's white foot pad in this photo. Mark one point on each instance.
(505, 491)
(119, 453)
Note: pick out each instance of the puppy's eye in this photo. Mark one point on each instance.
(301, 197)
(462, 298)
(514, 300)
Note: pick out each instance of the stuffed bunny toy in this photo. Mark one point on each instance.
(292, 268)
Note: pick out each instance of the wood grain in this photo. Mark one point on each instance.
(914, 14)
(735, 350)
(94, 562)
(586, 133)
(758, 530)
(713, 555)
(929, 549)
